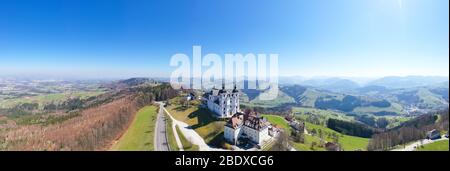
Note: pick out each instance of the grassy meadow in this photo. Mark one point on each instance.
(199, 119)
(140, 134)
(436, 146)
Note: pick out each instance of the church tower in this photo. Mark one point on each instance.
(235, 100)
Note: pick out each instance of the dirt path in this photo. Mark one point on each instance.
(191, 135)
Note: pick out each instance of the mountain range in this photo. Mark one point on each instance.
(384, 96)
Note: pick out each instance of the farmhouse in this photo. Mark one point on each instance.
(433, 134)
(296, 125)
(330, 146)
(248, 128)
(190, 96)
(223, 103)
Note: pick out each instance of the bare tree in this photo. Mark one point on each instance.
(282, 143)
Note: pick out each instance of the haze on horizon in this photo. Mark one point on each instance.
(122, 39)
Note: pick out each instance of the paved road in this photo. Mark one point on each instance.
(413, 146)
(160, 131)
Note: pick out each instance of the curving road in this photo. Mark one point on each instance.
(191, 135)
(160, 139)
(413, 146)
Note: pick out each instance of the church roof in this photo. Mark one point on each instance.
(235, 121)
(251, 120)
(255, 121)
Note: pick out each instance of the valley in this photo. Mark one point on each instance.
(87, 122)
(121, 115)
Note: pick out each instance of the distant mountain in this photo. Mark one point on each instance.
(372, 89)
(422, 98)
(357, 104)
(134, 81)
(441, 91)
(121, 84)
(332, 84)
(385, 96)
(395, 82)
(295, 91)
(291, 80)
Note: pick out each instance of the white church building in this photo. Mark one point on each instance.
(246, 128)
(223, 103)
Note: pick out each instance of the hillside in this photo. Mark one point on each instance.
(436, 146)
(395, 82)
(76, 124)
(139, 136)
(252, 99)
(372, 99)
(410, 131)
(348, 103)
(332, 84)
(312, 140)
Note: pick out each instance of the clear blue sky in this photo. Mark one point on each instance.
(113, 38)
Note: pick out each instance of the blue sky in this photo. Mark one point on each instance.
(113, 38)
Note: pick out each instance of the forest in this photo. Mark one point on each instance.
(78, 124)
(410, 131)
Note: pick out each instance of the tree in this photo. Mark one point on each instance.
(336, 140)
(50, 107)
(313, 144)
(298, 136)
(282, 143)
(350, 128)
(183, 102)
(382, 122)
(167, 103)
(313, 131)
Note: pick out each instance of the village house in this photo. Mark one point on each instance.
(294, 124)
(190, 96)
(433, 134)
(330, 146)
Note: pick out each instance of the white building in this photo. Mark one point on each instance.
(248, 127)
(223, 103)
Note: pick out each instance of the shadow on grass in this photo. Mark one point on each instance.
(218, 141)
(204, 117)
(181, 108)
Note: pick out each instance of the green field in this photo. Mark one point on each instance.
(309, 139)
(310, 97)
(281, 99)
(200, 119)
(279, 121)
(322, 115)
(46, 99)
(396, 120)
(140, 134)
(428, 99)
(395, 108)
(436, 146)
(348, 143)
